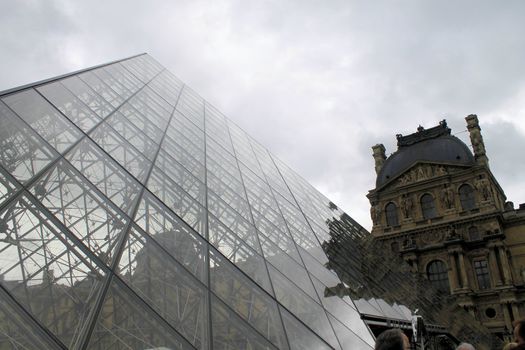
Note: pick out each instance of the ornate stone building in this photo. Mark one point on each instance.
(438, 204)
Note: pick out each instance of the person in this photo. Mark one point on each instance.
(465, 346)
(392, 339)
(510, 346)
(519, 334)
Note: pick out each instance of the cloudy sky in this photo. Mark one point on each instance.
(317, 82)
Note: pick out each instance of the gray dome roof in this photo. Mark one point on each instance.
(445, 149)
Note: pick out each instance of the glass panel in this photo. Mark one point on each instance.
(44, 119)
(247, 299)
(301, 337)
(119, 87)
(118, 148)
(166, 286)
(348, 339)
(176, 172)
(126, 323)
(243, 257)
(70, 106)
(167, 88)
(152, 115)
(149, 127)
(173, 234)
(23, 153)
(178, 201)
(17, 331)
(51, 279)
(7, 186)
(77, 203)
(102, 89)
(231, 332)
(341, 306)
(302, 306)
(106, 174)
(133, 135)
(88, 96)
(292, 270)
(232, 220)
(171, 152)
(123, 76)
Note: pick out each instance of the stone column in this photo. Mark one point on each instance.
(506, 315)
(464, 278)
(516, 311)
(453, 272)
(494, 270)
(507, 276)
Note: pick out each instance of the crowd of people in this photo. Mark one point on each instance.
(395, 339)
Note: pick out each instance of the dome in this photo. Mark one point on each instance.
(442, 148)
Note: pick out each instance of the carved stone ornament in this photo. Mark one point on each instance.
(447, 197)
(375, 213)
(434, 236)
(407, 206)
(484, 189)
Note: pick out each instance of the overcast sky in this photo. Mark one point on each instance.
(317, 82)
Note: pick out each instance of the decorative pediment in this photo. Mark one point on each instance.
(421, 172)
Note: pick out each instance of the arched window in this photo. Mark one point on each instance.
(438, 275)
(391, 214)
(466, 196)
(428, 206)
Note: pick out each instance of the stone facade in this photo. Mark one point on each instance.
(439, 205)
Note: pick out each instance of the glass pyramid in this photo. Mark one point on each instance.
(134, 215)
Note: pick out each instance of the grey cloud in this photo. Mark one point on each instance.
(317, 82)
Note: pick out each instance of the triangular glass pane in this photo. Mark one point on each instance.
(23, 153)
(166, 286)
(48, 122)
(77, 203)
(125, 322)
(51, 279)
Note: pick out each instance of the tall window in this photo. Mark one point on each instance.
(482, 274)
(438, 275)
(428, 206)
(466, 196)
(391, 214)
